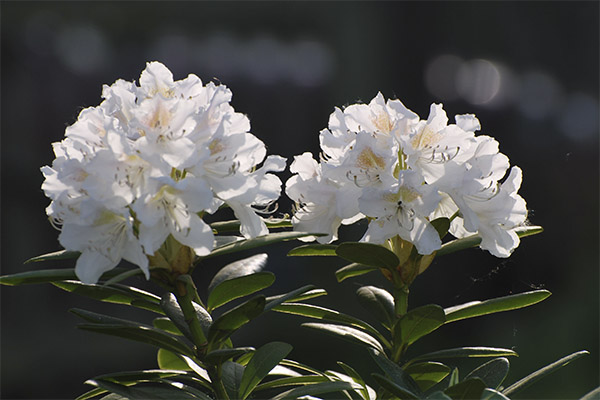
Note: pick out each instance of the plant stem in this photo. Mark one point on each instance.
(184, 299)
(215, 376)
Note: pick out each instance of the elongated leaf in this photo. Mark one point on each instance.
(466, 390)
(274, 301)
(396, 374)
(91, 394)
(171, 308)
(491, 394)
(303, 367)
(352, 270)
(55, 255)
(307, 295)
(317, 312)
(438, 396)
(233, 319)
(593, 395)
(259, 242)
(427, 374)
(492, 373)
(48, 275)
(512, 302)
(113, 294)
(369, 254)
(145, 390)
(200, 372)
(169, 360)
(420, 321)
(166, 325)
(347, 333)
(236, 269)
(143, 334)
(541, 373)
(314, 250)
(475, 240)
(356, 378)
(219, 356)
(317, 388)
(235, 288)
(465, 352)
(454, 378)
(101, 318)
(261, 363)
(291, 381)
(393, 388)
(123, 275)
(234, 225)
(232, 376)
(379, 302)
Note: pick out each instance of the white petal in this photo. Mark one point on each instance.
(198, 236)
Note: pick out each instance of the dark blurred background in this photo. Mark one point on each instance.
(528, 70)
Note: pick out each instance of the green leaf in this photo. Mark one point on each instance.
(427, 374)
(419, 322)
(369, 254)
(261, 363)
(475, 240)
(393, 388)
(219, 356)
(145, 390)
(166, 325)
(235, 288)
(259, 242)
(234, 225)
(491, 394)
(123, 275)
(464, 352)
(352, 270)
(396, 374)
(171, 308)
(379, 302)
(48, 275)
(438, 396)
(291, 381)
(454, 378)
(274, 301)
(441, 225)
(593, 395)
(307, 295)
(232, 376)
(356, 378)
(91, 394)
(347, 333)
(169, 360)
(477, 308)
(317, 388)
(492, 373)
(314, 250)
(300, 366)
(236, 269)
(541, 373)
(233, 319)
(56, 255)
(112, 294)
(466, 390)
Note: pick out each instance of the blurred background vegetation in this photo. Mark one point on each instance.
(528, 70)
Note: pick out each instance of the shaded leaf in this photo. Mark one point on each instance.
(465, 352)
(419, 322)
(317, 388)
(48, 275)
(441, 225)
(352, 270)
(393, 388)
(475, 240)
(345, 332)
(55, 255)
(261, 363)
(512, 302)
(491, 394)
(232, 376)
(379, 302)
(166, 325)
(171, 308)
(468, 389)
(300, 366)
(492, 373)
(124, 275)
(314, 250)
(233, 319)
(291, 381)
(145, 390)
(307, 295)
(427, 374)
(369, 254)
(234, 225)
(541, 373)
(236, 269)
(92, 393)
(396, 374)
(259, 242)
(593, 395)
(235, 288)
(219, 356)
(169, 360)
(438, 396)
(274, 301)
(356, 378)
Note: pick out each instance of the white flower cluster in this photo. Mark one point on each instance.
(382, 162)
(144, 163)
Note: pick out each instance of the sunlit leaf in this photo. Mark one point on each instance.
(259, 242)
(291, 381)
(49, 275)
(219, 356)
(491, 394)
(261, 363)
(234, 225)
(419, 322)
(427, 374)
(347, 333)
(307, 295)
(235, 288)
(475, 240)
(171, 308)
(145, 390)
(369, 254)
(492, 373)
(236, 269)
(274, 301)
(314, 250)
(317, 388)
(352, 270)
(465, 352)
(166, 325)
(169, 360)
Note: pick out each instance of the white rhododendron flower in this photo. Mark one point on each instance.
(382, 162)
(147, 163)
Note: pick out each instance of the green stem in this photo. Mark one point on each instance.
(184, 299)
(215, 376)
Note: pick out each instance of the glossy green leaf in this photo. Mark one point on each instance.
(233, 319)
(492, 373)
(235, 288)
(351, 372)
(171, 308)
(454, 378)
(303, 367)
(317, 388)
(543, 372)
(317, 312)
(219, 356)
(55, 255)
(306, 295)
(112, 294)
(427, 374)
(506, 303)
(314, 250)
(475, 240)
(259, 242)
(379, 302)
(169, 360)
(261, 363)
(236, 269)
(145, 390)
(91, 394)
(274, 301)
(491, 394)
(347, 333)
(468, 389)
(393, 388)
(231, 375)
(397, 375)
(352, 270)
(465, 352)
(48, 275)
(291, 381)
(166, 325)
(234, 225)
(419, 322)
(370, 254)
